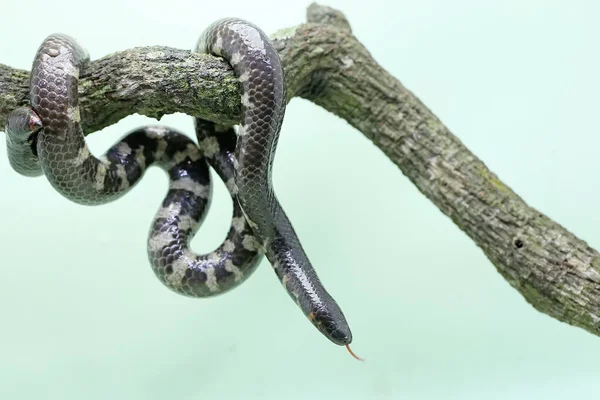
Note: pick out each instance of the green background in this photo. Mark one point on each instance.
(83, 316)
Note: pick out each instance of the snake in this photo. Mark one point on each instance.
(46, 138)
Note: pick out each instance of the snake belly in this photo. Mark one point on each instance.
(47, 138)
(257, 66)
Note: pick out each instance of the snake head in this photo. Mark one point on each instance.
(331, 322)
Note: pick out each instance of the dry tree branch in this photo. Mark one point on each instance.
(554, 270)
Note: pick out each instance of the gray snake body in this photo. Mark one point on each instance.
(47, 138)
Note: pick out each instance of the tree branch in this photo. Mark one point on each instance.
(554, 270)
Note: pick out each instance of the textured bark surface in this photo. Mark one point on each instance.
(556, 272)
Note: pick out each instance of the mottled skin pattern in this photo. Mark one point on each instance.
(66, 161)
(244, 164)
(182, 212)
(257, 65)
(183, 208)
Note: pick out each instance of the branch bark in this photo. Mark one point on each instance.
(556, 272)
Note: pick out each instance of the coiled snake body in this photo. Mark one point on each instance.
(47, 138)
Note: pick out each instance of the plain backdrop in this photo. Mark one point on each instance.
(83, 316)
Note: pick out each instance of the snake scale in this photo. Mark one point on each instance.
(47, 138)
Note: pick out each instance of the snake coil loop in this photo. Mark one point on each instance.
(47, 138)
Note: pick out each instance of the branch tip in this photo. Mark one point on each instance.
(320, 14)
